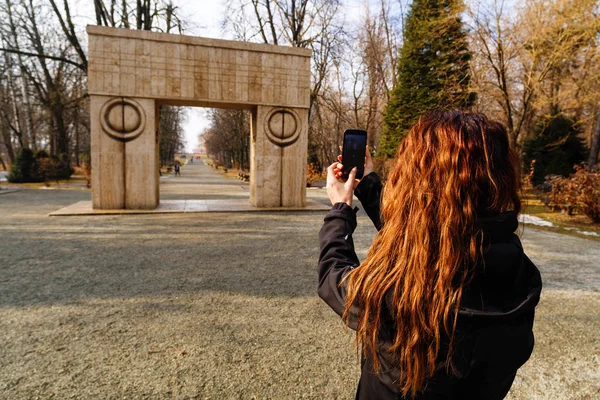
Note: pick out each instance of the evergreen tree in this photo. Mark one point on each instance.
(433, 70)
(556, 147)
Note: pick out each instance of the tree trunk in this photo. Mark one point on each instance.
(76, 127)
(29, 131)
(7, 142)
(62, 136)
(51, 134)
(124, 15)
(595, 145)
(16, 123)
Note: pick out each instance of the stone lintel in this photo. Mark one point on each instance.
(196, 71)
(195, 40)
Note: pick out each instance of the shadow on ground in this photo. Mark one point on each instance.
(51, 259)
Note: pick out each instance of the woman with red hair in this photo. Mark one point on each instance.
(443, 305)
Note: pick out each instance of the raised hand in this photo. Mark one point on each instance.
(368, 165)
(338, 191)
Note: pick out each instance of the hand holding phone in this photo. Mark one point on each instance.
(354, 152)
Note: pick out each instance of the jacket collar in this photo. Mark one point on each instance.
(499, 226)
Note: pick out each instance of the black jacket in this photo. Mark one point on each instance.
(494, 334)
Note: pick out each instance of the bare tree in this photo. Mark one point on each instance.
(377, 38)
(495, 67)
(43, 69)
(149, 15)
(534, 62)
(313, 24)
(228, 138)
(171, 133)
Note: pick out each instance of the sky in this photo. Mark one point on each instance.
(204, 18)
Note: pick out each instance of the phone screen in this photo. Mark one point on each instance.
(354, 151)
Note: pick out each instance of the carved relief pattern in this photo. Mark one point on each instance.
(282, 126)
(122, 119)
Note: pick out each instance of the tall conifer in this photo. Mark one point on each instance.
(433, 70)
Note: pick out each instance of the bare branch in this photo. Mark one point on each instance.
(46, 56)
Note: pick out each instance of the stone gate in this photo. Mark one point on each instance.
(132, 72)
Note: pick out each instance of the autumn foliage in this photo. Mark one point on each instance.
(313, 174)
(579, 192)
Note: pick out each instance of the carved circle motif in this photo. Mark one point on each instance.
(282, 126)
(123, 119)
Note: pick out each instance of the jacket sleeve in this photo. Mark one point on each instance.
(368, 192)
(337, 258)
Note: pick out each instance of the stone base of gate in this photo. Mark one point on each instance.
(186, 206)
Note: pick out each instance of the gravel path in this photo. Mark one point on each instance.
(223, 306)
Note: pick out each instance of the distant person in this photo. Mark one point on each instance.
(192, 160)
(177, 173)
(443, 305)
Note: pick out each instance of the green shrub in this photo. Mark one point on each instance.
(41, 154)
(48, 169)
(53, 167)
(555, 148)
(40, 167)
(63, 169)
(24, 168)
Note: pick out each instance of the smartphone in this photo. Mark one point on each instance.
(354, 151)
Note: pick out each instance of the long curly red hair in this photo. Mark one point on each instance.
(451, 168)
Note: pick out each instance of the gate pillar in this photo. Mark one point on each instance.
(125, 163)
